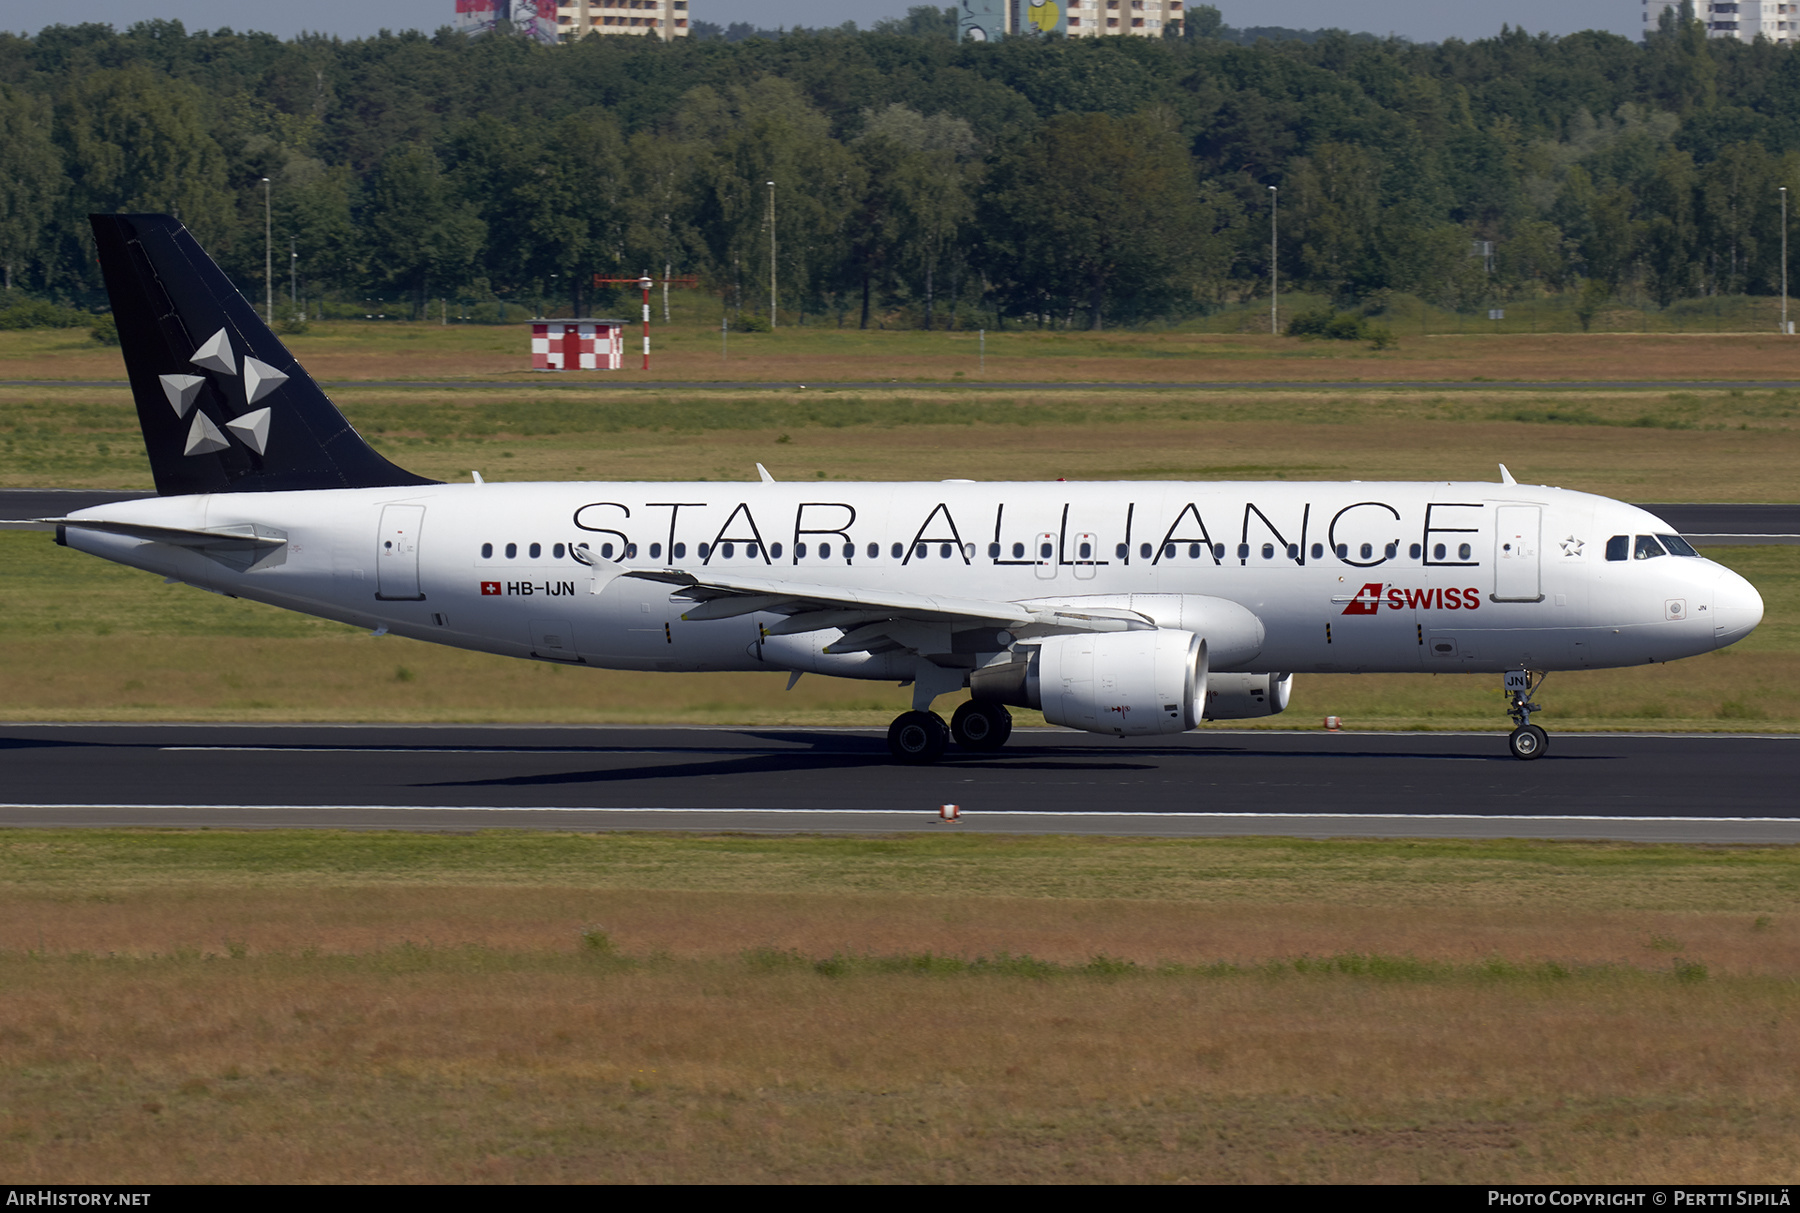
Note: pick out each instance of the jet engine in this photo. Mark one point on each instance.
(1247, 696)
(1129, 684)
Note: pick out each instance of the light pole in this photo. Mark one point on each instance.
(1784, 319)
(771, 256)
(645, 284)
(1274, 288)
(268, 259)
(293, 277)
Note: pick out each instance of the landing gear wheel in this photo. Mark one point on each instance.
(981, 727)
(1528, 741)
(918, 738)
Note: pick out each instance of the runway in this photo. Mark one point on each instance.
(1644, 788)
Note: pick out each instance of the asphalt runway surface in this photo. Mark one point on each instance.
(1646, 788)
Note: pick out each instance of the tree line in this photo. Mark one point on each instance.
(916, 181)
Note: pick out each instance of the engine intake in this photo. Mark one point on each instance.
(1128, 684)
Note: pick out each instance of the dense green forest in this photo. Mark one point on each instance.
(916, 181)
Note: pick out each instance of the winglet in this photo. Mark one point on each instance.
(764, 473)
(1506, 477)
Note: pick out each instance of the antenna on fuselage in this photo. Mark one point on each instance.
(1506, 477)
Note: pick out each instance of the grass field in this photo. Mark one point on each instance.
(282, 1007)
(691, 352)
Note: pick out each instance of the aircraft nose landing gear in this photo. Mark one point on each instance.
(1527, 740)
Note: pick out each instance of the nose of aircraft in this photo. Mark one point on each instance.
(1737, 609)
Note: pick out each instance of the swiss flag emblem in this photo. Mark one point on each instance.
(490, 587)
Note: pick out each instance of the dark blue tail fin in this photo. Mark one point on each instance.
(223, 405)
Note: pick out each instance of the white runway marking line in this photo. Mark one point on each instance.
(997, 814)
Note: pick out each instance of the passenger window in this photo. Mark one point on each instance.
(1218, 551)
(1464, 551)
(774, 550)
(557, 551)
(750, 550)
(729, 550)
(1368, 550)
(896, 550)
(1343, 551)
(993, 551)
(1243, 551)
(922, 552)
(1143, 551)
(1086, 551)
(824, 551)
(1268, 551)
(487, 551)
(512, 551)
(1193, 551)
(1647, 548)
(679, 551)
(875, 550)
(606, 551)
(537, 550)
(1677, 546)
(1415, 551)
(656, 551)
(1318, 552)
(968, 551)
(630, 550)
(1392, 550)
(703, 551)
(1169, 552)
(1293, 551)
(1045, 551)
(1120, 552)
(1018, 551)
(1437, 551)
(799, 551)
(943, 551)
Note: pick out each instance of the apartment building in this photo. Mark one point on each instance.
(1143, 18)
(990, 20)
(1745, 20)
(567, 20)
(664, 18)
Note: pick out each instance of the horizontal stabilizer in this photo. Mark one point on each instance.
(243, 538)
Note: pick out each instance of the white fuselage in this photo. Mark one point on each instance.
(1342, 576)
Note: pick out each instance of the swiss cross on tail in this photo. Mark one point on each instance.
(1367, 600)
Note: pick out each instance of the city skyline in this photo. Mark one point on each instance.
(1419, 20)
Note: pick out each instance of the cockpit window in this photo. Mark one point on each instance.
(1618, 547)
(1647, 548)
(1677, 546)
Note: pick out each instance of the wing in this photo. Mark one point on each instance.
(878, 620)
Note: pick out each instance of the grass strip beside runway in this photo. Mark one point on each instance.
(306, 1006)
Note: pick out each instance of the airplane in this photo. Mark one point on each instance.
(1125, 609)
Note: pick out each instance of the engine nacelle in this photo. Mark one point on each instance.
(1128, 684)
(1247, 696)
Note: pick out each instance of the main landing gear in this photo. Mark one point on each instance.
(920, 738)
(1527, 740)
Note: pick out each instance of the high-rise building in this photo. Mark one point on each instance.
(989, 20)
(567, 20)
(1143, 18)
(1745, 20)
(664, 18)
